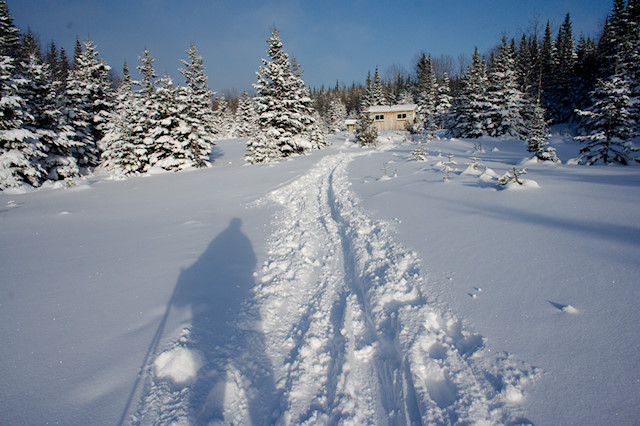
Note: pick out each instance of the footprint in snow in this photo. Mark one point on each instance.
(475, 292)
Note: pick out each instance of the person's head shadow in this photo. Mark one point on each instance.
(214, 289)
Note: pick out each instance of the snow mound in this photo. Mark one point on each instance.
(569, 309)
(472, 171)
(488, 175)
(179, 365)
(526, 185)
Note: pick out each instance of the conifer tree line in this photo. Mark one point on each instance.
(522, 86)
(61, 118)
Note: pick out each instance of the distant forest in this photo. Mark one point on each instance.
(63, 117)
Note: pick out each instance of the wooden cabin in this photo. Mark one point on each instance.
(393, 117)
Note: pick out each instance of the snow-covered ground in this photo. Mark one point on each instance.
(347, 286)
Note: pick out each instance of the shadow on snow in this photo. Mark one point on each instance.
(216, 290)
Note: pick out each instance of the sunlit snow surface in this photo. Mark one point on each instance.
(350, 285)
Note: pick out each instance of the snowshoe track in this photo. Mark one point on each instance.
(349, 332)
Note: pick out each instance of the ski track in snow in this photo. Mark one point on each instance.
(346, 329)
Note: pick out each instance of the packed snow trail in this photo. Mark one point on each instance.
(341, 329)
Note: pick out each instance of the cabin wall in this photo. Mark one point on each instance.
(391, 120)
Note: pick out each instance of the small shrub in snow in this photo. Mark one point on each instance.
(474, 167)
(512, 176)
(448, 167)
(385, 171)
(419, 154)
(477, 147)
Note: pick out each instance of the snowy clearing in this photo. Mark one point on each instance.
(347, 286)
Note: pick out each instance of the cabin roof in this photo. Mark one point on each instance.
(392, 108)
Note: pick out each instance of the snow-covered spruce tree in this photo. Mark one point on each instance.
(632, 58)
(610, 45)
(366, 100)
(245, 116)
(537, 135)
(47, 122)
(198, 113)
(404, 96)
(378, 91)
(619, 50)
(336, 114)
(609, 123)
(443, 103)
(562, 96)
(20, 151)
(284, 107)
(88, 102)
(546, 78)
(470, 107)
(223, 118)
(120, 155)
(426, 95)
(166, 140)
(366, 131)
(506, 102)
(318, 132)
(9, 34)
(144, 107)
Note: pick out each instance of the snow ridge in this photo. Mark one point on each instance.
(340, 329)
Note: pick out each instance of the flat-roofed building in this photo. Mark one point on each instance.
(393, 117)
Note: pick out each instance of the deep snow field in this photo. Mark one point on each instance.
(352, 285)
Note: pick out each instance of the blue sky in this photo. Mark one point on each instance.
(333, 40)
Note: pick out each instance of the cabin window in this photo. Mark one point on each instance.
(379, 117)
(402, 116)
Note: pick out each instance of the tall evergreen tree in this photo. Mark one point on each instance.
(367, 97)
(564, 94)
(546, 79)
(537, 135)
(426, 94)
(379, 94)
(165, 141)
(88, 103)
(21, 152)
(46, 121)
(610, 46)
(506, 103)
(336, 114)
(245, 117)
(198, 109)
(122, 151)
(586, 71)
(224, 118)
(443, 104)
(9, 34)
(284, 106)
(609, 124)
(470, 107)
(77, 52)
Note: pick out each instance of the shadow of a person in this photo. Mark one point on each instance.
(214, 289)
